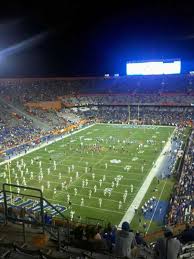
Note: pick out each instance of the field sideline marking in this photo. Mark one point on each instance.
(139, 126)
(146, 184)
(46, 144)
(156, 208)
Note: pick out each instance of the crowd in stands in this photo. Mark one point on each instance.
(144, 114)
(129, 99)
(153, 100)
(47, 89)
(49, 117)
(13, 136)
(182, 203)
(90, 96)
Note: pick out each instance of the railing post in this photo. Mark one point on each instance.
(59, 238)
(68, 230)
(42, 212)
(5, 203)
(24, 231)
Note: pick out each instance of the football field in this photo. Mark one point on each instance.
(99, 169)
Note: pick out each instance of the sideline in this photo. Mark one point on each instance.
(46, 144)
(156, 207)
(130, 213)
(146, 126)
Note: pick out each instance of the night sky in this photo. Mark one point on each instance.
(81, 38)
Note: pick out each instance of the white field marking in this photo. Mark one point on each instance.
(104, 169)
(156, 207)
(91, 187)
(144, 188)
(121, 165)
(96, 208)
(139, 126)
(46, 144)
(88, 187)
(91, 181)
(92, 197)
(69, 185)
(108, 183)
(66, 175)
(101, 169)
(126, 175)
(95, 197)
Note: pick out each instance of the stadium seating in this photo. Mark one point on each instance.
(182, 200)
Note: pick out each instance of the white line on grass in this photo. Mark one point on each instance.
(156, 207)
(92, 197)
(139, 126)
(144, 188)
(96, 208)
(46, 144)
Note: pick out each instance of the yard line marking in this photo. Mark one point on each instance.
(79, 186)
(90, 207)
(92, 197)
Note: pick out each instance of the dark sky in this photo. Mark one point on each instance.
(81, 38)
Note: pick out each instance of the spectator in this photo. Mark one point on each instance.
(167, 247)
(78, 232)
(109, 236)
(139, 239)
(125, 241)
(187, 235)
(97, 233)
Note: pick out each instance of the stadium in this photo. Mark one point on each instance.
(98, 166)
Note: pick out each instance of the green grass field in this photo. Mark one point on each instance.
(116, 143)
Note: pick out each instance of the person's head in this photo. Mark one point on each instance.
(109, 227)
(168, 232)
(125, 226)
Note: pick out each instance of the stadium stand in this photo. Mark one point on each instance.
(182, 200)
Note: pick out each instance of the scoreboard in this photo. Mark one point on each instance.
(164, 67)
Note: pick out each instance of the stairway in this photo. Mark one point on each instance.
(37, 123)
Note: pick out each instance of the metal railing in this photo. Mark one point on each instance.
(58, 229)
(13, 214)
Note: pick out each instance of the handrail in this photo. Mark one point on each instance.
(7, 188)
(23, 187)
(55, 209)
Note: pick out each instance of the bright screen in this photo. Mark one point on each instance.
(154, 68)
